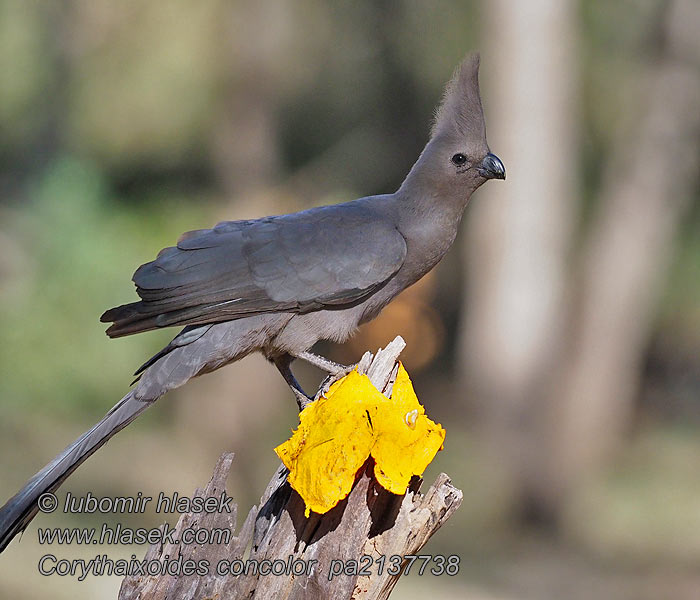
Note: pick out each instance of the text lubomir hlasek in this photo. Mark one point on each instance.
(174, 503)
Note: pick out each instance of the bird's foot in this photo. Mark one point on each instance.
(333, 377)
(282, 363)
(336, 371)
(325, 386)
(302, 399)
(334, 368)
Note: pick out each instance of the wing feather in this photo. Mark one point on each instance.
(328, 257)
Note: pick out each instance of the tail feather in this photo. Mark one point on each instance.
(122, 328)
(19, 510)
(138, 317)
(124, 312)
(129, 319)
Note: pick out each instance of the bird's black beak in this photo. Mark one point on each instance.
(492, 167)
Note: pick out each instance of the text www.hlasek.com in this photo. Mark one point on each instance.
(126, 535)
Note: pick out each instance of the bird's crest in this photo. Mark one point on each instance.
(460, 111)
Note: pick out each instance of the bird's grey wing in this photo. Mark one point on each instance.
(331, 257)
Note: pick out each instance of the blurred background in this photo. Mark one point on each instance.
(558, 342)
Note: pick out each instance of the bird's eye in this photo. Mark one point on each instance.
(459, 159)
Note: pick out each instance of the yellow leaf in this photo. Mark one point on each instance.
(406, 441)
(337, 434)
(332, 442)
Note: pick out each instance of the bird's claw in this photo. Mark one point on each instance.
(341, 372)
(302, 399)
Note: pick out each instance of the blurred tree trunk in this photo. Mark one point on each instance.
(245, 148)
(646, 190)
(556, 372)
(519, 231)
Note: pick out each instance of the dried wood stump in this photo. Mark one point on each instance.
(299, 553)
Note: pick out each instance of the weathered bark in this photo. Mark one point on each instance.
(371, 522)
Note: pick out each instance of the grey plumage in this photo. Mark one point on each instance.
(22, 507)
(279, 284)
(289, 263)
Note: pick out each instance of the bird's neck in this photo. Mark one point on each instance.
(428, 189)
(429, 211)
(425, 195)
(429, 224)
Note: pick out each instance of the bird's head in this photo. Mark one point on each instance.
(458, 155)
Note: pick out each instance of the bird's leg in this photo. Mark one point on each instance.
(283, 363)
(320, 362)
(336, 371)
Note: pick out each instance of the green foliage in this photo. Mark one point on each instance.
(54, 353)
(25, 69)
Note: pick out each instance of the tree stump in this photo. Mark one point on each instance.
(356, 550)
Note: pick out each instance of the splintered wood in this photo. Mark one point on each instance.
(356, 550)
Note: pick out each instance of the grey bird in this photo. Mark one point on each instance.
(279, 284)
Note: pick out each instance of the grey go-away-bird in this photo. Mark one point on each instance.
(278, 285)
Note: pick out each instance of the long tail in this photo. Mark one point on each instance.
(22, 507)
